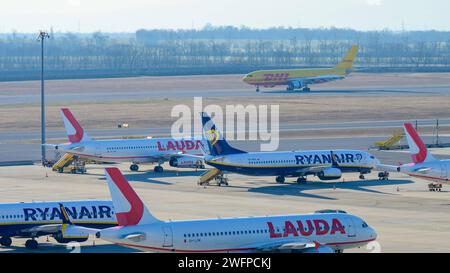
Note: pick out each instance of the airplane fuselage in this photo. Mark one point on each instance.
(270, 78)
(435, 171)
(20, 219)
(336, 231)
(133, 150)
(292, 163)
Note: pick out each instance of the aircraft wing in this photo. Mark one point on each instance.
(422, 170)
(318, 79)
(46, 229)
(313, 169)
(135, 237)
(299, 245)
(319, 168)
(387, 168)
(180, 155)
(167, 157)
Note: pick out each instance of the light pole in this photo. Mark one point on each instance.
(42, 36)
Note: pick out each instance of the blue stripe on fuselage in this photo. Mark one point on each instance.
(17, 229)
(275, 171)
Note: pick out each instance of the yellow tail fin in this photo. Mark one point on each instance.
(349, 59)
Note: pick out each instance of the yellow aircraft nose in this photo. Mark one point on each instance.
(247, 77)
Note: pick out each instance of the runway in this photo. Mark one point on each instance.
(218, 86)
(223, 93)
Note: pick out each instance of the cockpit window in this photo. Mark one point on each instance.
(372, 157)
(365, 225)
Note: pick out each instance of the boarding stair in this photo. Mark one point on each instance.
(64, 161)
(213, 174)
(391, 142)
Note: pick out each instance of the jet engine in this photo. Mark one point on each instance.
(330, 174)
(59, 237)
(320, 249)
(294, 85)
(186, 162)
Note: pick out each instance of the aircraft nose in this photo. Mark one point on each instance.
(372, 233)
(373, 161)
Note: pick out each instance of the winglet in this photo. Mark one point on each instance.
(129, 208)
(74, 131)
(417, 148)
(64, 215)
(334, 162)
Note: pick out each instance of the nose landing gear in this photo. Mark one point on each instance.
(383, 176)
(134, 167)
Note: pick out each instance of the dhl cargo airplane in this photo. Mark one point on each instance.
(179, 153)
(325, 164)
(301, 78)
(424, 165)
(32, 220)
(320, 232)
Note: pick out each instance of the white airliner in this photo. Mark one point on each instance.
(32, 220)
(325, 231)
(424, 165)
(179, 153)
(299, 164)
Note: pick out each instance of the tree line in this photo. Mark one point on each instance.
(221, 49)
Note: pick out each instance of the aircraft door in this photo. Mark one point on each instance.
(444, 170)
(168, 236)
(98, 150)
(350, 227)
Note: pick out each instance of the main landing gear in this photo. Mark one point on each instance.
(257, 89)
(301, 180)
(383, 176)
(134, 167)
(280, 179)
(362, 177)
(292, 88)
(31, 244)
(158, 169)
(5, 241)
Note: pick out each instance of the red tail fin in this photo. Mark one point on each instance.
(129, 209)
(417, 148)
(74, 131)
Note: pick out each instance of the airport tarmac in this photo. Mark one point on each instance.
(348, 114)
(19, 152)
(407, 217)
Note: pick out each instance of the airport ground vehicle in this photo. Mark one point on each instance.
(435, 187)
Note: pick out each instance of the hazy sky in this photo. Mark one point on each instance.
(130, 15)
